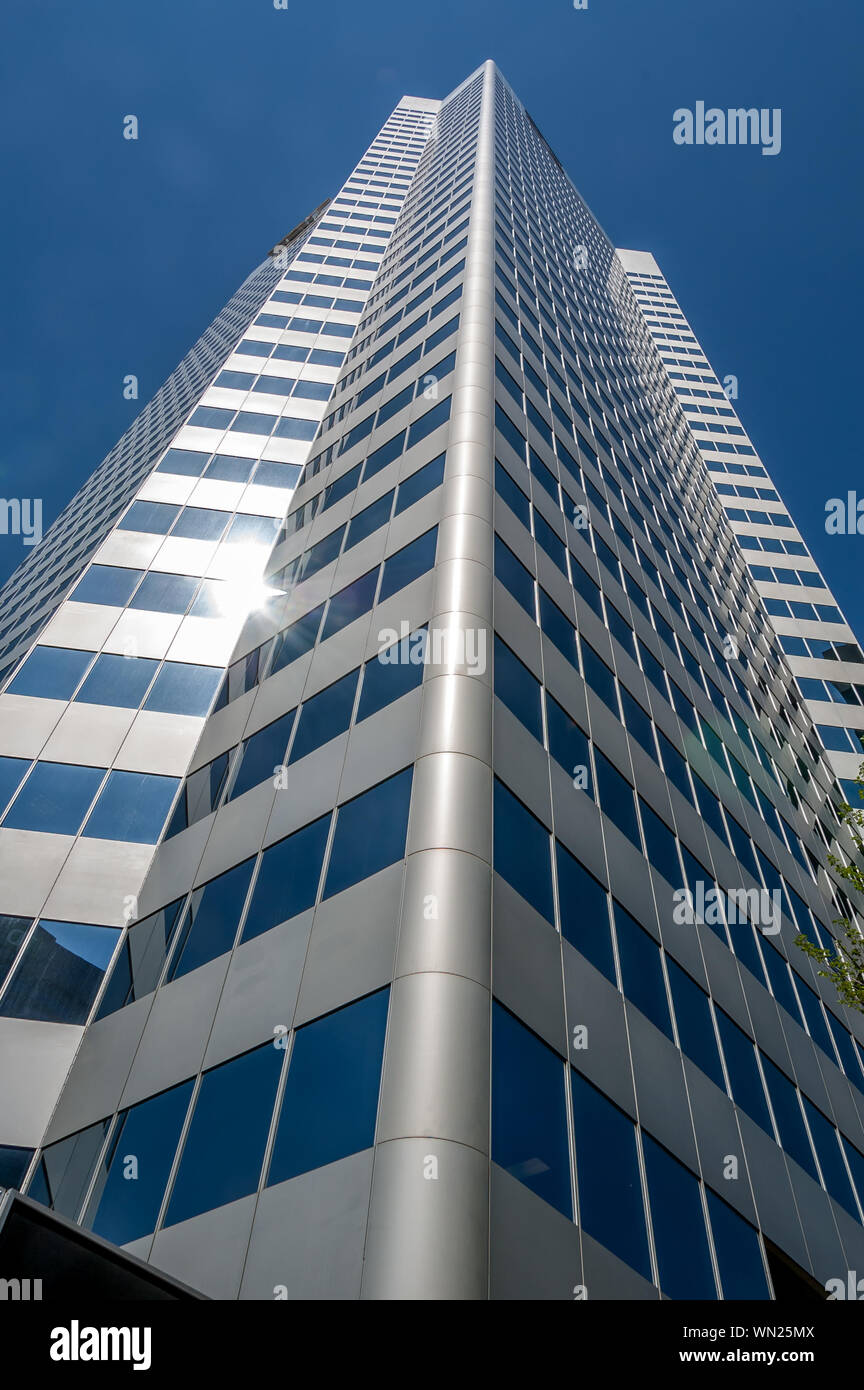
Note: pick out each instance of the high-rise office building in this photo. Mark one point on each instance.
(401, 872)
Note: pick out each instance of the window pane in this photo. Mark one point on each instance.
(107, 584)
(201, 523)
(120, 1209)
(55, 798)
(695, 1026)
(827, 1145)
(14, 1163)
(51, 673)
(287, 881)
(641, 970)
(324, 716)
(660, 845)
(331, 1095)
(742, 1273)
(607, 1176)
(370, 833)
(584, 912)
(121, 681)
(568, 745)
(392, 674)
(261, 755)
(787, 1113)
(139, 964)
(224, 1148)
(746, 1083)
(518, 688)
(12, 772)
(529, 1121)
(189, 462)
(132, 806)
(210, 925)
(181, 688)
(350, 603)
(59, 972)
(679, 1226)
(65, 1170)
(408, 564)
(165, 593)
(616, 798)
(152, 517)
(12, 933)
(522, 851)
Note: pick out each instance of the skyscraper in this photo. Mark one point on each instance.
(407, 908)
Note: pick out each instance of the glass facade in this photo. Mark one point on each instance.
(465, 855)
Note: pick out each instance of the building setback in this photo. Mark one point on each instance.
(421, 685)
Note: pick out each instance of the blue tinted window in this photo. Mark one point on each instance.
(118, 680)
(513, 495)
(108, 584)
(14, 1163)
(287, 881)
(122, 1210)
(331, 1095)
(295, 640)
(408, 564)
(139, 963)
(518, 688)
(189, 462)
(324, 716)
(261, 755)
(392, 674)
(350, 603)
(568, 745)
(291, 427)
(54, 798)
(827, 1145)
(370, 833)
(742, 1273)
(695, 1026)
(132, 806)
(641, 969)
(514, 576)
(51, 672)
(744, 1075)
(637, 722)
(599, 677)
(616, 798)
(211, 417)
(607, 1176)
(584, 912)
(224, 1147)
(154, 517)
(59, 973)
(787, 1113)
(529, 1121)
(270, 474)
(181, 688)
(420, 484)
(522, 851)
(12, 932)
(64, 1171)
(201, 524)
(680, 1238)
(660, 847)
(230, 469)
(11, 776)
(429, 422)
(165, 593)
(210, 924)
(558, 628)
(367, 522)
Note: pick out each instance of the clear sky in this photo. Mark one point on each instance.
(117, 254)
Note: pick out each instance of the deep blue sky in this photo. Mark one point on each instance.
(116, 255)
